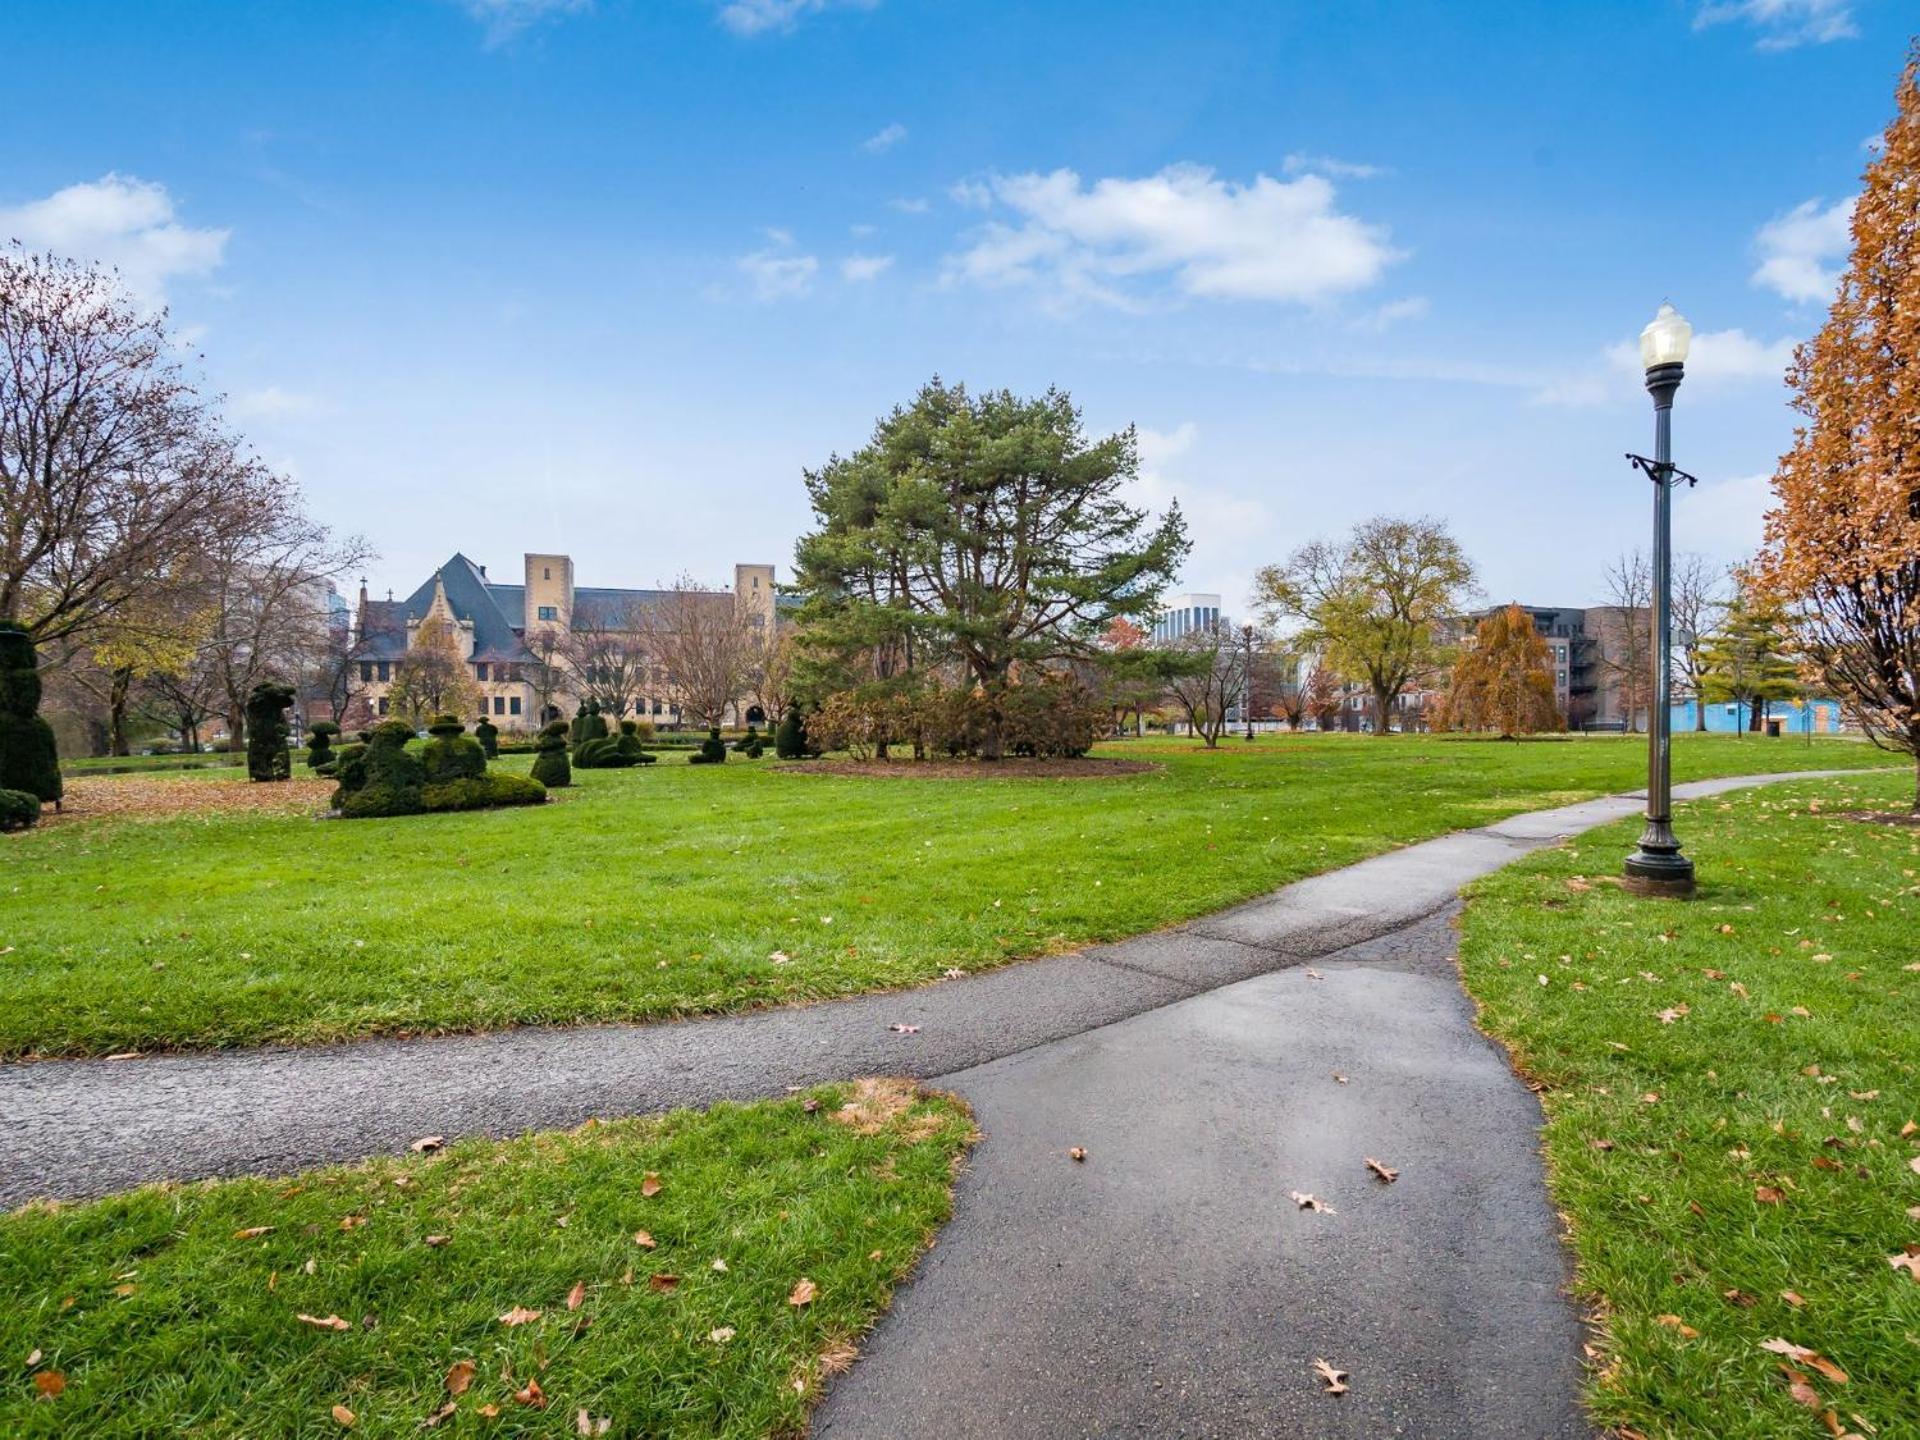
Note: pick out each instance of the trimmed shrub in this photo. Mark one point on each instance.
(385, 780)
(749, 744)
(267, 754)
(483, 792)
(713, 750)
(29, 758)
(488, 734)
(18, 810)
(589, 724)
(790, 740)
(550, 765)
(451, 754)
(630, 746)
(320, 753)
(602, 753)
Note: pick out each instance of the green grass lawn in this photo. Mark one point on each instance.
(183, 1310)
(1733, 1106)
(677, 889)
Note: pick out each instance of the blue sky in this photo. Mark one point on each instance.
(602, 276)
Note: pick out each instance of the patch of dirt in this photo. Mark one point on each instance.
(881, 1104)
(1908, 818)
(143, 797)
(1084, 768)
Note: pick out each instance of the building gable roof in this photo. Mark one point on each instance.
(469, 596)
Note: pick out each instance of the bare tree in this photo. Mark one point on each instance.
(1699, 600)
(112, 468)
(547, 671)
(770, 667)
(1626, 648)
(1212, 682)
(702, 643)
(607, 653)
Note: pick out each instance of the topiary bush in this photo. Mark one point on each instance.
(550, 765)
(483, 792)
(18, 810)
(588, 724)
(790, 740)
(749, 744)
(488, 734)
(320, 753)
(602, 753)
(631, 746)
(267, 754)
(29, 758)
(385, 779)
(713, 750)
(451, 754)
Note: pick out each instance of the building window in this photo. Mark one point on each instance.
(499, 705)
(479, 669)
(549, 612)
(385, 669)
(546, 572)
(366, 670)
(513, 705)
(383, 704)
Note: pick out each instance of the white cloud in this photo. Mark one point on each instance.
(505, 19)
(757, 17)
(1303, 164)
(1718, 358)
(273, 403)
(1724, 518)
(864, 267)
(1265, 240)
(1386, 316)
(910, 205)
(1784, 24)
(884, 139)
(971, 194)
(862, 231)
(120, 221)
(1795, 248)
(778, 276)
(1228, 527)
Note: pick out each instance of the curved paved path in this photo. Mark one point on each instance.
(1166, 1287)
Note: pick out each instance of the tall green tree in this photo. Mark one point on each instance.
(986, 531)
(1748, 660)
(1372, 605)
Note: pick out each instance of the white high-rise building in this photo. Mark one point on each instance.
(1183, 614)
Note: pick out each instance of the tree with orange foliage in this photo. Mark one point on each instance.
(1503, 681)
(1843, 536)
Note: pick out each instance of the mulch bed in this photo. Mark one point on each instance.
(1013, 768)
(1907, 818)
(145, 797)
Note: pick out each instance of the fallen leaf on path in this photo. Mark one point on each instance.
(1312, 974)
(803, 1293)
(519, 1315)
(1335, 1380)
(324, 1322)
(1338, 1078)
(426, 1143)
(904, 1029)
(1077, 1153)
(459, 1377)
(1309, 1202)
(1386, 1176)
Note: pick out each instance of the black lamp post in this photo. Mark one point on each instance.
(1658, 867)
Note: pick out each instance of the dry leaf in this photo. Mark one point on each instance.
(1309, 1202)
(1601, 1144)
(577, 1295)
(722, 1335)
(803, 1293)
(436, 1241)
(1768, 1195)
(644, 1240)
(904, 1029)
(50, 1384)
(1812, 1358)
(1907, 1260)
(532, 1395)
(487, 1411)
(1338, 1078)
(1667, 1017)
(343, 1417)
(1077, 1153)
(650, 1185)
(1334, 1380)
(426, 1143)
(721, 1266)
(1674, 1322)
(444, 1413)
(324, 1322)
(1312, 974)
(1387, 1176)
(33, 1358)
(1793, 1298)
(1739, 1297)
(663, 1283)
(253, 1232)
(519, 1315)
(459, 1377)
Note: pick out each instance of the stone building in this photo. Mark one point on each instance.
(522, 642)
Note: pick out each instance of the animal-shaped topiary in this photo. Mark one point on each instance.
(790, 740)
(488, 734)
(385, 780)
(588, 725)
(713, 750)
(320, 752)
(29, 759)
(550, 766)
(631, 746)
(267, 754)
(451, 754)
(749, 743)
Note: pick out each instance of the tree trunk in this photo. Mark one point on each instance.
(117, 712)
(236, 731)
(1382, 710)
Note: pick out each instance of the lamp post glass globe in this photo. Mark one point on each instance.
(1666, 339)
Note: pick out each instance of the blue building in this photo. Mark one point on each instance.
(1795, 717)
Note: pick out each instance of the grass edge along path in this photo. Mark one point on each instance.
(1732, 1093)
(672, 891)
(698, 1273)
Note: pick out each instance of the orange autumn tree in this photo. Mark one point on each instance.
(1843, 536)
(1504, 681)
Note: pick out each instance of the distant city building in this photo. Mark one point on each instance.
(1183, 614)
(1585, 650)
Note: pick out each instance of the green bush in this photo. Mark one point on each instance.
(603, 753)
(451, 754)
(385, 780)
(267, 754)
(349, 768)
(550, 765)
(790, 740)
(588, 724)
(29, 759)
(483, 792)
(320, 752)
(713, 750)
(750, 744)
(488, 734)
(18, 810)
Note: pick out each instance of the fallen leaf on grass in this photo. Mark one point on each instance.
(519, 1315)
(1386, 1176)
(49, 1384)
(1909, 1261)
(439, 1417)
(663, 1283)
(1674, 1322)
(953, 972)
(1805, 1356)
(721, 1266)
(1800, 1387)
(1309, 1202)
(1601, 1144)
(803, 1293)
(1335, 1380)
(1768, 1195)
(722, 1335)
(650, 1185)
(1740, 1298)
(434, 1242)
(585, 1424)
(459, 1377)
(644, 1240)
(253, 1232)
(426, 1143)
(343, 1417)
(532, 1395)
(576, 1297)
(1793, 1298)
(324, 1322)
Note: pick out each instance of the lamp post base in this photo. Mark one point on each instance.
(1659, 874)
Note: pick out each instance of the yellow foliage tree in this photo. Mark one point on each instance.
(1843, 536)
(432, 678)
(1504, 681)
